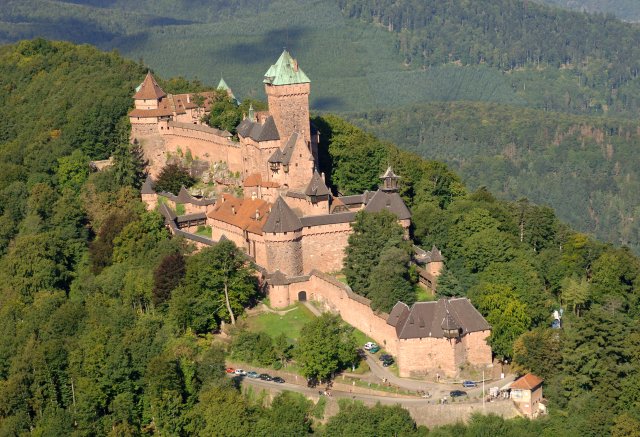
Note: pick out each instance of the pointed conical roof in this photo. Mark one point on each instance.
(282, 218)
(147, 187)
(389, 174)
(285, 72)
(149, 89)
(222, 85)
(316, 186)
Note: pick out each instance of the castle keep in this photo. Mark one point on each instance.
(289, 221)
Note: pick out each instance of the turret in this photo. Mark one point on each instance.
(148, 94)
(283, 239)
(389, 181)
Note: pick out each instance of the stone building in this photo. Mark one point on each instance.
(291, 224)
(526, 392)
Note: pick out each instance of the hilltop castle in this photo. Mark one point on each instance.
(290, 222)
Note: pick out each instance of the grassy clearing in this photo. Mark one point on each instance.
(180, 209)
(204, 231)
(288, 324)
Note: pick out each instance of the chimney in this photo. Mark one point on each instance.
(257, 215)
(254, 195)
(323, 179)
(233, 210)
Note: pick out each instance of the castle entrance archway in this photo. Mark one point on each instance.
(302, 296)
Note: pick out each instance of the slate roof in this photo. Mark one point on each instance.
(147, 187)
(241, 213)
(328, 219)
(527, 382)
(276, 156)
(285, 72)
(257, 131)
(430, 319)
(190, 217)
(282, 218)
(316, 186)
(390, 201)
(149, 89)
(287, 152)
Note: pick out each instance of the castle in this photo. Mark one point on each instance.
(291, 224)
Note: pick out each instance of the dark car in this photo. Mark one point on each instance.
(389, 361)
(385, 357)
(278, 379)
(265, 377)
(457, 393)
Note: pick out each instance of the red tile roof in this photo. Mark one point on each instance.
(527, 382)
(241, 212)
(149, 89)
(255, 180)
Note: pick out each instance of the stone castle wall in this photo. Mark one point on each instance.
(477, 350)
(306, 207)
(323, 247)
(415, 357)
(203, 145)
(144, 129)
(421, 356)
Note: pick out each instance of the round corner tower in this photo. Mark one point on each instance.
(283, 240)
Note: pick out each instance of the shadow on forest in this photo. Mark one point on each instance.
(267, 49)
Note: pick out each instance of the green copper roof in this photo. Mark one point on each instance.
(223, 85)
(285, 72)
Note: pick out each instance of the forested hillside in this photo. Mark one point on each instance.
(106, 323)
(584, 167)
(628, 10)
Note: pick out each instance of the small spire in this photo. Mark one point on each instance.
(389, 180)
(251, 115)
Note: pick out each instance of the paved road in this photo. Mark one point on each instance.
(437, 390)
(409, 401)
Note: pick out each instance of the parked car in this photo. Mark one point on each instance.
(278, 380)
(230, 370)
(385, 357)
(252, 374)
(457, 393)
(374, 349)
(369, 345)
(387, 363)
(240, 372)
(469, 384)
(265, 377)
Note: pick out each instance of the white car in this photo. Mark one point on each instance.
(369, 345)
(240, 372)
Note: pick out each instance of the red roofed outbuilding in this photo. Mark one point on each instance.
(526, 392)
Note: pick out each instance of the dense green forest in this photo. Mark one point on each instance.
(106, 323)
(583, 167)
(628, 10)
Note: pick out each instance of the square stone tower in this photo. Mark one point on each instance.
(287, 89)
